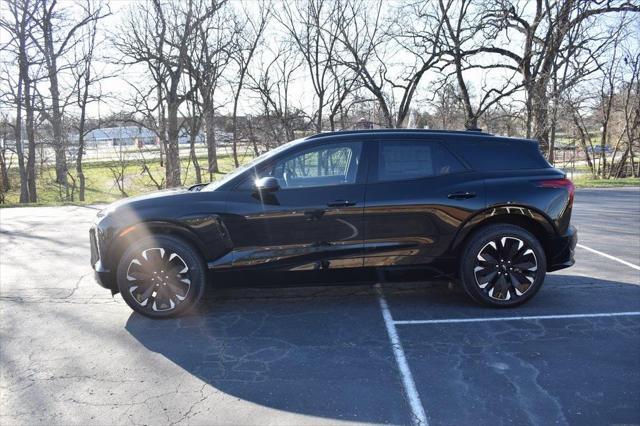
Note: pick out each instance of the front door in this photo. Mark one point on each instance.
(313, 221)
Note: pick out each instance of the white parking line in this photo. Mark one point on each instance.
(417, 410)
(608, 256)
(522, 318)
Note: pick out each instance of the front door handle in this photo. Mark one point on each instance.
(462, 195)
(341, 203)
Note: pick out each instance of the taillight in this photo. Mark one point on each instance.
(559, 183)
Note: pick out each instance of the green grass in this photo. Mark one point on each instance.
(588, 181)
(100, 181)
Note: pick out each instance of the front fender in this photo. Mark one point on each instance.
(205, 232)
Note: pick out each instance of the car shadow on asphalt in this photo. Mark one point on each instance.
(325, 351)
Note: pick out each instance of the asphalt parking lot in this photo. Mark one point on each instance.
(400, 354)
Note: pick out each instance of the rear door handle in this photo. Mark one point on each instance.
(462, 195)
(341, 203)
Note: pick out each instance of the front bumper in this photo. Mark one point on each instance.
(562, 250)
(103, 276)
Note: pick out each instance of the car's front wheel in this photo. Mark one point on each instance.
(161, 276)
(502, 265)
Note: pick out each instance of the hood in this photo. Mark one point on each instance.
(140, 199)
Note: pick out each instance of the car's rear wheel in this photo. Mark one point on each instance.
(161, 276)
(502, 265)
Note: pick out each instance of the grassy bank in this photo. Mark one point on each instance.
(101, 184)
(588, 181)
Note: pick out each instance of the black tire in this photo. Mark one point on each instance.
(161, 276)
(516, 273)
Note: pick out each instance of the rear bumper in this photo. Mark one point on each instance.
(562, 250)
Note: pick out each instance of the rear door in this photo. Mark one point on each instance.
(417, 196)
(314, 221)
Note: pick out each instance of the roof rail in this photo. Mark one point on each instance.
(397, 130)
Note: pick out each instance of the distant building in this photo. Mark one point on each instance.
(364, 124)
(120, 136)
(140, 136)
(183, 137)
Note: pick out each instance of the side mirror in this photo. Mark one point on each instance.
(266, 184)
(197, 187)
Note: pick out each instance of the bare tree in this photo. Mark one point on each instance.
(631, 109)
(54, 40)
(193, 125)
(463, 26)
(370, 43)
(448, 109)
(87, 86)
(20, 25)
(158, 183)
(208, 63)
(5, 164)
(543, 35)
(118, 170)
(250, 31)
(343, 84)
(273, 86)
(313, 26)
(362, 39)
(161, 37)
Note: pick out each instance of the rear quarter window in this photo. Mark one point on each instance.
(491, 155)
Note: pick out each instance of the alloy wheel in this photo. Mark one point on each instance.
(505, 268)
(159, 279)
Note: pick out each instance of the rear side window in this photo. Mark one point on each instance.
(402, 160)
(491, 155)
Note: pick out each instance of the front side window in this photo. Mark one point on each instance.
(404, 160)
(255, 163)
(325, 165)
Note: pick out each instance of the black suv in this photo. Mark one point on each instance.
(486, 210)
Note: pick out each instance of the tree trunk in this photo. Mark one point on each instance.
(212, 154)
(619, 169)
(56, 112)
(79, 170)
(540, 105)
(194, 157)
(529, 111)
(320, 108)
(583, 144)
(552, 143)
(632, 160)
(24, 190)
(5, 185)
(58, 144)
(332, 119)
(235, 127)
(23, 81)
(385, 111)
(31, 156)
(172, 160)
(603, 154)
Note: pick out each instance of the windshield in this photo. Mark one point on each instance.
(253, 163)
